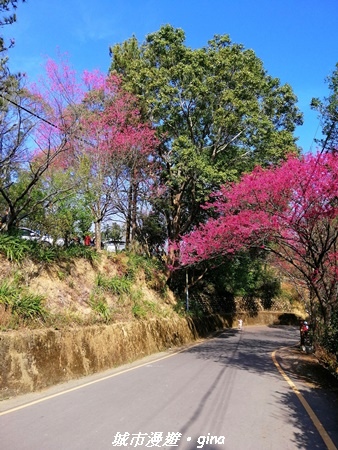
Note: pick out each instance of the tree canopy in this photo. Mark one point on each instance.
(290, 211)
(217, 113)
(328, 111)
(68, 136)
(8, 16)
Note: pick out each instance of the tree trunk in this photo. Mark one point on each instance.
(98, 234)
(134, 210)
(129, 217)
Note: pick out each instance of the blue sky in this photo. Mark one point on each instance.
(297, 40)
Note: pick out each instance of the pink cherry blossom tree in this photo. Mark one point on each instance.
(35, 130)
(89, 128)
(114, 154)
(291, 211)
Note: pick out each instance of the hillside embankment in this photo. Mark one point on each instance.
(97, 317)
(32, 360)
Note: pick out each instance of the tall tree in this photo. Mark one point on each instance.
(115, 146)
(35, 131)
(217, 113)
(8, 6)
(8, 16)
(328, 110)
(89, 127)
(9, 83)
(290, 211)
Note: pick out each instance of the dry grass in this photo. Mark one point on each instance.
(70, 291)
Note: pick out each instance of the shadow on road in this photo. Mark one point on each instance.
(306, 437)
(247, 350)
(250, 350)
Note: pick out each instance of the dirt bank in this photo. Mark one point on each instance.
(32, 360)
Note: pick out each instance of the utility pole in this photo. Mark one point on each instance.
(187, 290)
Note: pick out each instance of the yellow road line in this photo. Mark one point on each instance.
(321, 430)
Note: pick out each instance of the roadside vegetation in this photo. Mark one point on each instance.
(16, 250)
(127, 287)
(104, 288)
(186, 158)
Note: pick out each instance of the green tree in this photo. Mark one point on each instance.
(8, 16)
(35, 131)
(113, 232)
(328, 113)
(217, 113)
(30, 145)
(8, 81)
(8, 6)
(151, 234)
(66, 215)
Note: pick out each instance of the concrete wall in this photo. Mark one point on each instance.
(35, 359)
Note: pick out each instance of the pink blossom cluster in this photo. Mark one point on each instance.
(293, 205)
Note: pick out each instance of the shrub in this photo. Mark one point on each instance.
(100, 306)
(16, 249)
(28, 306)
(13, 248)
(139, 262)
(330, 335)
(80, 251)
(116, 285)
(20, 302)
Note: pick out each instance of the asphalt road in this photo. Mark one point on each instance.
(224, 393)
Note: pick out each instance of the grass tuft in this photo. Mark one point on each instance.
(116, 285)
(100, 306)
(20, 302)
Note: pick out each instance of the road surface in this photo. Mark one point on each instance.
(223, 393)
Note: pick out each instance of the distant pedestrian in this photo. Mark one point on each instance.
(87, 240)
(304, 332)
(240, 324)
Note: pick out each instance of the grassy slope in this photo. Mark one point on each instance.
(79, 291)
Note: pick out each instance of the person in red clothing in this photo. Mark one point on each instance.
(87, 240)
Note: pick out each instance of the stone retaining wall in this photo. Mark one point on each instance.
(32, 360)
